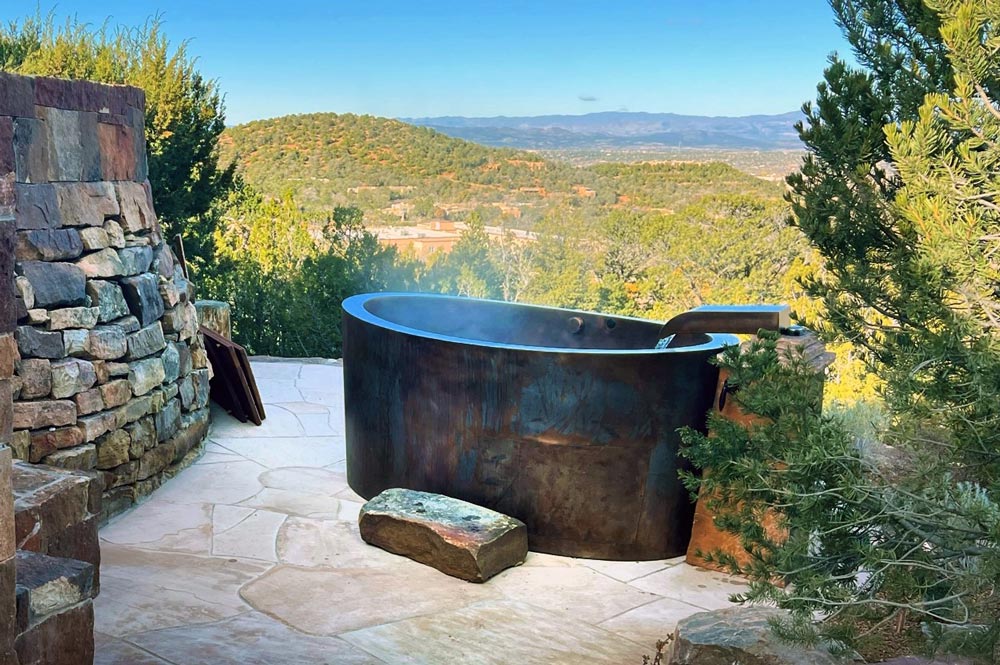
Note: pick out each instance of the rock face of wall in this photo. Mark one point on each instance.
(110, 373)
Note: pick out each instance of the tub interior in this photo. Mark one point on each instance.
(518, 324)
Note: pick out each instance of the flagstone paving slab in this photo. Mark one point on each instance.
(251, 538)
(253, 555)
(575, 590)
(625, 571)
(329, 544)
(696, 586)
(226, 482)
(279, 422)
(113, 651)
(165, 526)
(276, 370)
(649, 623)
(249, 639)
(496, 633)
(289, 502)
(279, 452)
(305, 479)
(336, 600)
(143, 590)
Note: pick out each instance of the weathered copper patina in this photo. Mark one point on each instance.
(565, 420)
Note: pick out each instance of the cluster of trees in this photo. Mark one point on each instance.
(285, 273)
(670, 184)
(899, 197)
(722, 248)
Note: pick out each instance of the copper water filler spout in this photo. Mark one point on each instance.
(737, 319)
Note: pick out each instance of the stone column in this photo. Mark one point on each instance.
(8, 357)
(112, 377)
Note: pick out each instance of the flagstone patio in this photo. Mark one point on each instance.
(252, 556)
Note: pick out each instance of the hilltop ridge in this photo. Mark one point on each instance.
(623, 129)
(395, 170)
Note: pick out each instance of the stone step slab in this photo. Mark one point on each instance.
(66, 638)
(48, 502)
(739, 635)
(458, 538)
(47, 585)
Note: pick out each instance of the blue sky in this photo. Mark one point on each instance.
(471, 57)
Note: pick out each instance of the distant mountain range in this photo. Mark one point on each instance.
(620, 129)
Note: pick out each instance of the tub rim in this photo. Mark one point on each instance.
(355, 306)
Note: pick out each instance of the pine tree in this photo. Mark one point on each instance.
(899, 196)
(888, 284)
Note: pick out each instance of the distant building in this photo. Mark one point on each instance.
(585, 192)
(421, 240)
(440, 235)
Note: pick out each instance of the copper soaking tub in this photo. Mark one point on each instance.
(566, 420)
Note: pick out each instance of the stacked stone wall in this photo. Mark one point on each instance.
(109, 372)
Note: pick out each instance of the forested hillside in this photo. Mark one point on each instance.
(324, 158)
(385, 167)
